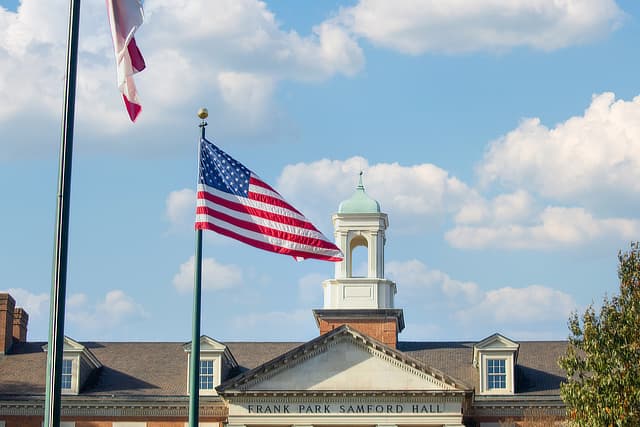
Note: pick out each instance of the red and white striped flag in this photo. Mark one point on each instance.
(125, 17)
(233, 201)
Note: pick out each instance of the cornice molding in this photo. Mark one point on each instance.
(105, 407)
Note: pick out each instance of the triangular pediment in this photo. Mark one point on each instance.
(495, 343)
(207, 344)
(73, 347)
(211, 347)
(342, 360)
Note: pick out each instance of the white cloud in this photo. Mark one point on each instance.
(214, 275)
(252, 53)
(507, 306)
(35, 305)
(596, 154)
(554, 227)
(247, 93)
(504, 208)
(117, 309)
(180, 206)
(474, 311)
(417, 26)
(77, 301)
(416, 197)
(414, 276)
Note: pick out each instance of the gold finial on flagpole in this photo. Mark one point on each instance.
(203, 113)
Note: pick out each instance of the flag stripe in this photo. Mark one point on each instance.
(283, 234)
(137, 61)
(265, 246)
(272, 197)
(133, 109)
(245, 201)
(203, 218)
(212, 200)
(256, 185)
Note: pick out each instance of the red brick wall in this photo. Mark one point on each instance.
(20, 320)
(94, 423)
(23, 421)
(383, 330)
(164, 424)
(7, 305)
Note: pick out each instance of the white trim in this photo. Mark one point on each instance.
(217, 372)
(484, 373)
(75, 371)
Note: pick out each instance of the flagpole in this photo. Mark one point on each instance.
(55, 344)
(194, 368)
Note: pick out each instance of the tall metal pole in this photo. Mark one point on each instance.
(194, 368)
(55, 345)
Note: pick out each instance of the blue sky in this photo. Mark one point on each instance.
(501, 137)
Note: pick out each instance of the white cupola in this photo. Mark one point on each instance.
(359, 223)
(365, 303)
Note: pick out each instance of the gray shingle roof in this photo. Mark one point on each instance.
(160, 369)
(537, 371)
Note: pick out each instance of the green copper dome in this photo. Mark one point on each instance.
(359, 202)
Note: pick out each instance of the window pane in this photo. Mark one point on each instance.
(66, 374)
(496, 374)
(206, 374)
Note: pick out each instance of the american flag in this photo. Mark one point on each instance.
(233, 201)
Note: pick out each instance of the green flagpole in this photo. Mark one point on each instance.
(55, 346)
(194, 368)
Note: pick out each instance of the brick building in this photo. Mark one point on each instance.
(355, 373)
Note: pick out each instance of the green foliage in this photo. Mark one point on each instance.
(602, 360)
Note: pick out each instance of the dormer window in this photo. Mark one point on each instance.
(496, 374)
(215, 362)
(206, 374)
(78, 365)
(67, 374)
(495, 358)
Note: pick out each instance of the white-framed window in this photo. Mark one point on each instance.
(67, 374)
(496, 374)
(206, 374)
